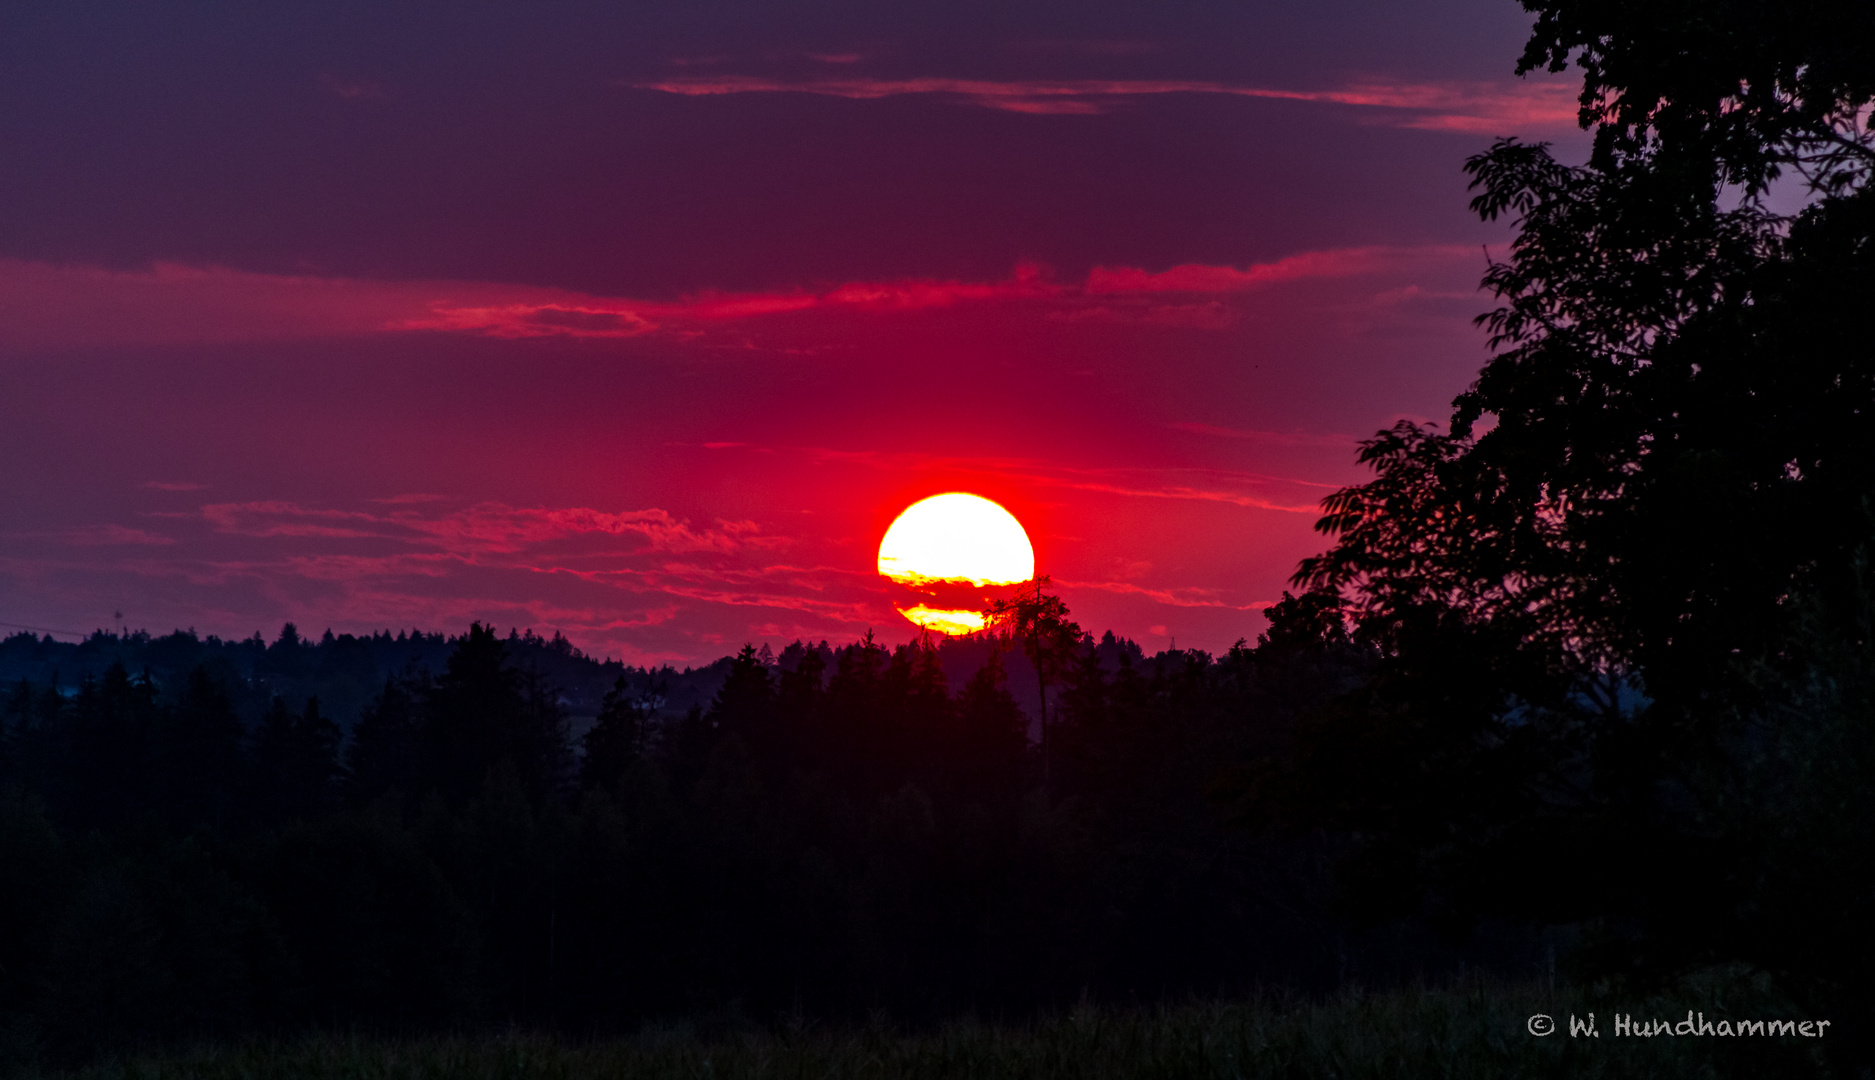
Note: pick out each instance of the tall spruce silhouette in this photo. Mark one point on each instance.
(482, 714)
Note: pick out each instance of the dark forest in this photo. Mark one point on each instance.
(197, 850)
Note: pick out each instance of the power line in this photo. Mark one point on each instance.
(46, 629)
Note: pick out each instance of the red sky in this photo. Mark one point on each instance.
(642, 326)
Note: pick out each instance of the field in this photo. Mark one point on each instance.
(1472, 1030)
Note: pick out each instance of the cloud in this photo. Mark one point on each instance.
(1281, 438)
(438, 564)
(1205, 278)
(1252, 491)
(353, 89)
(498, 528)
(595, 317)
(1086, 47)
(1234, 498)
(601, 575)
(265, 519)
(1123, 293)
(1189, 598)
(60, 306)
(103, 536)
(1208, 315)
(484, 528)
(1474, 107)
(535, 320)
(49, 306)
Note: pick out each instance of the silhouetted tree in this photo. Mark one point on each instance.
(108, 767)
(1617, 563)
(991, 740)
(382, 757)
(296, 767)
(198, 755)
(1037, 620)
(482, 713)
(744, 707)
(619, 736)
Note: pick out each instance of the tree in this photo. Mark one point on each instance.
(295, 762)
(1601, 595)
(620, 734)
(108, 765)
(383, 755)
(991, 740)
(744, 707)
(481, 714)
(1038, 622)
(197, 755)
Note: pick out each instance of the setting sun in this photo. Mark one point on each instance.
(951, 540)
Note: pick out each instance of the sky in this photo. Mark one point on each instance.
(640, 323)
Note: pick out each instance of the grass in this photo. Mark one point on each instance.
(1472, 1030)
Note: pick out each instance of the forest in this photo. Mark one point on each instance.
(833, 831)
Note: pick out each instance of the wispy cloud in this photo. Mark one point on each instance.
(97, 536)
(1117, 292)
(535, 320)
(596, 317)
(1477, 107)
(52, 306)
(352, 88)
(1277, 438)
(164, 485)
(1205, 278)
(484, 528)
(1086, 46)
(1249, 490)
(1189, 598)
(601, 575)
(63, 306)
(1198, 494)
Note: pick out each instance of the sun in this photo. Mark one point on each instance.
(947, 549)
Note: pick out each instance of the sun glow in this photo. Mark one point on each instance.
(949, 541)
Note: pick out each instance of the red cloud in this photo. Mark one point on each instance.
(77, 307)
(1200, 278)
(1285, 438)
(1481, 107)
(593, 317)
(485, 528)
(1193, 597)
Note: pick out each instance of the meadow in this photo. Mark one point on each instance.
(1475, 1028)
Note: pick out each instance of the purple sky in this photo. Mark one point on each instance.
(641, 322)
